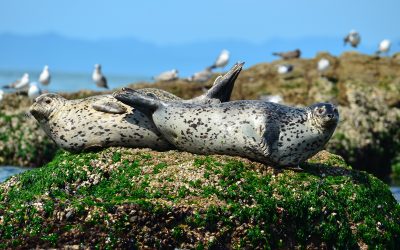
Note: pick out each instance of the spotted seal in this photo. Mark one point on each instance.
(267, 132)
(101, 121)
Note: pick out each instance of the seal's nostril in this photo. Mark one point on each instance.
(330, 116)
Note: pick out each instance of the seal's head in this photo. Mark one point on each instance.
(45, 106)
(324, 116)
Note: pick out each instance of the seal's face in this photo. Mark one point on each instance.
(45, 105)
(324, 115)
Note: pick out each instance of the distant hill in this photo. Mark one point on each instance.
(133, 57)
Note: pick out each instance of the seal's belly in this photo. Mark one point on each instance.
(208, 131)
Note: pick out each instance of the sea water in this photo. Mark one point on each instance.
(70, 82)
(7, 171)
(396, 193)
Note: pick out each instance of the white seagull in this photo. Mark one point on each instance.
(384, 46)
(323, 65)
(34, 91)
(1, 95)
(285, 68)
(353, 38)
(201, 76)
(19, 84)
(222, 60)
(98, 77)
(45, 77)
(169, 75)
(272, 98)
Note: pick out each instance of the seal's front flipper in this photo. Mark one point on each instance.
(109, 107)
(144, 103)
(223, 85)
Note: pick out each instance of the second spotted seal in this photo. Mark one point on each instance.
(101, 121)
(267, 132)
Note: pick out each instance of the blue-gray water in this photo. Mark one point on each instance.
(7, 171)
(396, 193)
(69, 82)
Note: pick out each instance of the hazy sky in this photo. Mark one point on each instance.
(181, 21)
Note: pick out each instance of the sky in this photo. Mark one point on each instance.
(182, 21)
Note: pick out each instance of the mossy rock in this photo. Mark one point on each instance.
(137, 198)
(23, 142)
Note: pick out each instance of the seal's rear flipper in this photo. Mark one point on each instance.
(223, 85)
(137, 100)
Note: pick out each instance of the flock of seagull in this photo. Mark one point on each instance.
(33, 90)
(201, 76)
(353, 38)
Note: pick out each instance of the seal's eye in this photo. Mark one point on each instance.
(320, 111)
(48, 101)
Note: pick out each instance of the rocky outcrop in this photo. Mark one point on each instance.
(127, 198)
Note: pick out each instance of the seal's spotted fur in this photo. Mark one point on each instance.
(81, 124)
(101, 121)
(267, 132)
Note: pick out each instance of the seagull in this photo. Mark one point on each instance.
(289, 54)
(353, 38)
(285, 68)
(98, 77)
(384, 46)
(201, 76)
(45, 77)
(34, 91)
(19, 84)
(323, 65)
(1, 95)
(222, 60)
(169, 75)
(272, 98)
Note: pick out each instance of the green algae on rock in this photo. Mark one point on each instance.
(132, 198)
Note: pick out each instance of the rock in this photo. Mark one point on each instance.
(172, 199)
(22, 142)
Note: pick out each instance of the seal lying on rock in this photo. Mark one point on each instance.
(101, 121)
(267, 132)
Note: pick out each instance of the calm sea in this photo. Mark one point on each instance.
(70, 82)
(7, 171)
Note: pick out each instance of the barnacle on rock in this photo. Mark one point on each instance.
(139, 198)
